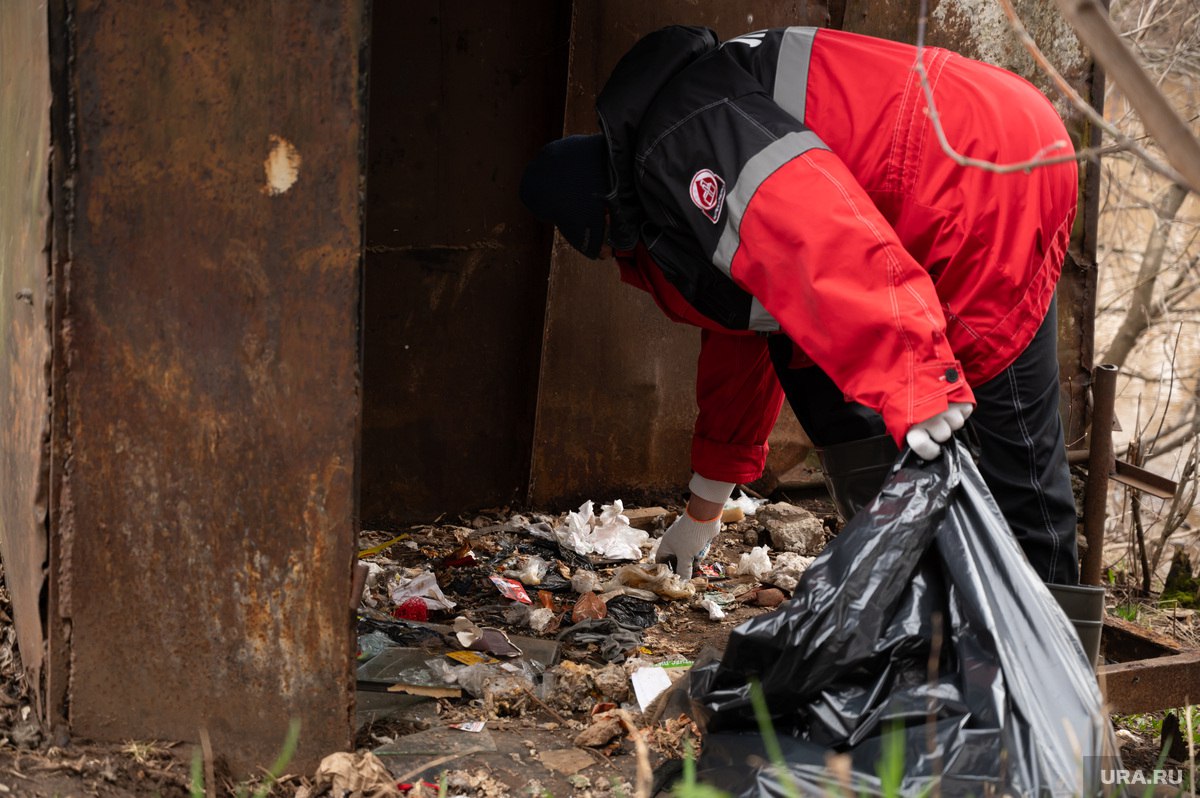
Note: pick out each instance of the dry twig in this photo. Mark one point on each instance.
(1124, 142)
(1090, 21)
(645, 776)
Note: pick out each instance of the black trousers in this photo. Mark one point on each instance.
(1021, 452)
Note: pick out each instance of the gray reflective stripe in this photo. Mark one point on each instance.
(757, 170)
(791, 70)
(760, 320)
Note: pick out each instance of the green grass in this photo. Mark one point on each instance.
(250, 789)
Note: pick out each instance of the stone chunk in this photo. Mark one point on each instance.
(792, 528)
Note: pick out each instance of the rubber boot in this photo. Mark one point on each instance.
(855, 471)
(1084, 607)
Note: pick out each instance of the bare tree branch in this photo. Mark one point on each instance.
(1080, 104)
(1139, 315)
(1181, 504)
(1181, 436)
(1090, 21)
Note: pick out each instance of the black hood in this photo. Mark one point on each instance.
(635, 82)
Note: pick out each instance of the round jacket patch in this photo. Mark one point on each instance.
(708, 193)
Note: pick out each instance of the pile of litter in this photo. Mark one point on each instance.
(564, 624)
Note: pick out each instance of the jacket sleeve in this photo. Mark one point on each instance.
(739, 400)
(796, 231)
(823, 261)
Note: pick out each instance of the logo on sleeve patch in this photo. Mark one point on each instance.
(708, 193)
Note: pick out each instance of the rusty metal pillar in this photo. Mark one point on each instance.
(206, 380)
(1100, 467)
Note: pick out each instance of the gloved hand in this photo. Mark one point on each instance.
(925, 436)
(685, 542)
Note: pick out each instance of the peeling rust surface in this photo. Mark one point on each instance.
(211, 373)
(1149, 685)
(616, 397)
(24, 306)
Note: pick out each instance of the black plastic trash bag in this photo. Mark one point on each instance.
(921, 619)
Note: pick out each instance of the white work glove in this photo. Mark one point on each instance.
(685, 543)
(924, 437)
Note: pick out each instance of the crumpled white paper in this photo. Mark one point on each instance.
(609, 536)
(425, 587)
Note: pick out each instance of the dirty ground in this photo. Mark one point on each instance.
(504, 653)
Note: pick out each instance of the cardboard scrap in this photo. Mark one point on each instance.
(567, 761)
(647, 517)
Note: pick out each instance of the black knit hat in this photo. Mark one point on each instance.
(565, 184)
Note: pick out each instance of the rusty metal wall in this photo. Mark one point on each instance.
(455, 411)
(209, 342)
(980, 29)
(462, 95)
(616, 397)
(24, 304)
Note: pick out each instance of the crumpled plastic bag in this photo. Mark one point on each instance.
(345, 775)
(747, 504)
(660, 579)
(610, 536)
(530, 570)
(423, 586)
(929, 570)
(756, 563)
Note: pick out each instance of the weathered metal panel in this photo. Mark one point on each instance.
(1149, 685)
(24, 305)
(462, 95)
(980, 29)
(1125, 641)
(616, 397)
(210, 337)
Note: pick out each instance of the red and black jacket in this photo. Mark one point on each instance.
(791, 180)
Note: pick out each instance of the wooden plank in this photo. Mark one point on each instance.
(1151, 684)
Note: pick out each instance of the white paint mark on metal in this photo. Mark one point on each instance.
(282, 166)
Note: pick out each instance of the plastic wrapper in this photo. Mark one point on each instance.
(543, 620)
(715, 613)
(423, 586)
(589, 607)
(530, 570)
(585, 581)
(659, 579)
(746, 504)
(371, 644)
(921, 619)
